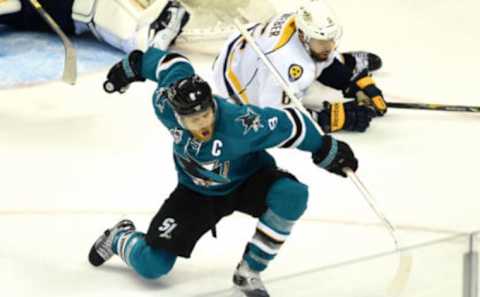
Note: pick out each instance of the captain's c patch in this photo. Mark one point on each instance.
(295, 71)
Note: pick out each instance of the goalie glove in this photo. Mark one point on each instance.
(334, 156)
(169, 24)
(122, 74)
(348, 116)
(362, 87)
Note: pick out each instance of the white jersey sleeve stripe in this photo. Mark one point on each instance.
(168, 61)
(298, 130)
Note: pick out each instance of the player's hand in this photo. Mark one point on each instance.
(347, 116)
(122, 74)
(364, 90)
(335, 155)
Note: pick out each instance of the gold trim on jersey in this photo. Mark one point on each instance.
(232, 77)
(287, 32)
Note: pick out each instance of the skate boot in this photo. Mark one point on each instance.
(361, 60)
(249, 281)
(102, 250)
(169, 24)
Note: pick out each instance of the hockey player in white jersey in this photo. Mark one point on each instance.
(303, 48)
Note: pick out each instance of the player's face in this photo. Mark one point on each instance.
(321, 49)
(200, 124)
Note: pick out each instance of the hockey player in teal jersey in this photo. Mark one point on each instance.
(222, 165)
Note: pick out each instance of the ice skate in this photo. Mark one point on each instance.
(249, 282)
(102, 250)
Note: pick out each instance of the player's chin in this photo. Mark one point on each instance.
(207, 134)
(204, 134)
(321, 57)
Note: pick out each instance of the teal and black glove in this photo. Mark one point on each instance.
(122, 74)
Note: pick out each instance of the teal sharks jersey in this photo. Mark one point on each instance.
(241, 135)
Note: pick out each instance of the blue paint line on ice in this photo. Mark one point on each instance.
(31, 57)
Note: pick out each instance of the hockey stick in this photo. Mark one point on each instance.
(403, 271)
(70, 66)
(431, 106)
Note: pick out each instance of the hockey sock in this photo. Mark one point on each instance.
(145, 260)
(124, 242)
(272, 231)
(287, 201)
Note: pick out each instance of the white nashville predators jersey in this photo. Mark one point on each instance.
(240, 75)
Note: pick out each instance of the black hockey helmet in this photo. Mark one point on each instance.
(190, 95)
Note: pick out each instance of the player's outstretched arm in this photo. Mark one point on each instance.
(157, 65)
(327, 152)
(264, 128)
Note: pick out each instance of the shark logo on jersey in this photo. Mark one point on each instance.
(208, 174)
(295, 71)
(250, 121)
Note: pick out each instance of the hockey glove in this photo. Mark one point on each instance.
(363, 89)
(335, 155)
(169, 24)
(348, 116)
(122, 74)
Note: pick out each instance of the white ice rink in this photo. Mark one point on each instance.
(74, 160)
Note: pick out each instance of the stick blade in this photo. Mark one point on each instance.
(70, 67)
(399, 282)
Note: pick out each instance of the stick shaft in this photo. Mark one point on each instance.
(431, 106)
(70, 67)
(373, 205)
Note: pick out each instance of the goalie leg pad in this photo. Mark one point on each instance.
(83, 10)
(122, 23)
(10, 6)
